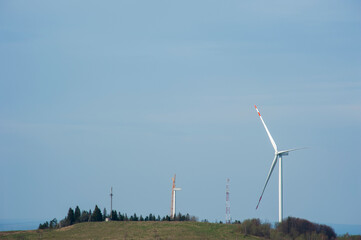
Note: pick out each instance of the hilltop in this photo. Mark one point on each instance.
(166, 230)
(135, 230)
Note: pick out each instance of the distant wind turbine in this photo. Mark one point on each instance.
(172, 208)
(278, 155)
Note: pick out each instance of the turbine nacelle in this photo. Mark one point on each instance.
(285, 152)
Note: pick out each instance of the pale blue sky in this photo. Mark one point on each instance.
(95, 94)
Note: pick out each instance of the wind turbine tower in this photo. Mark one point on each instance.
(174, 189)
(278, 156)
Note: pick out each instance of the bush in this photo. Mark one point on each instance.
(44, 225)
(256, 228)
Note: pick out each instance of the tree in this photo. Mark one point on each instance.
(295, 227)
(328, 231)
(70, 218)
(114, 216)
(77, 214)
(134, 218)
(104, 214)
(90, 215)
(255, 227)
(44, 226)
(84, 217)
(121, 217)
(97, 215)
(53, 223)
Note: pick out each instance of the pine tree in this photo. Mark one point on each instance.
(121, 217)
(53, 223)
(134, 218)
(44, 225)
(104, 214)
(84, 217)
(97, 215)
(70, 218)
(114, 216)
(77, 214)
(90, 215)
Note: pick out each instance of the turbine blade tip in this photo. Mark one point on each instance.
(259, 201)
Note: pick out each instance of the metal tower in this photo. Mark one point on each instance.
(228, 205)
(111, 202)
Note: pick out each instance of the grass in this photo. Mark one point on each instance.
(135, 230)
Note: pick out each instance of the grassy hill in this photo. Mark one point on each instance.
(135, 230)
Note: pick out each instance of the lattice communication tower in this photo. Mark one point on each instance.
(228, 205)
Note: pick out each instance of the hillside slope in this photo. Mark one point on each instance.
(135, 230)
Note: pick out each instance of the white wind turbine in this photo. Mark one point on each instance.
(278, 156)
(174, 190)
(172, 208)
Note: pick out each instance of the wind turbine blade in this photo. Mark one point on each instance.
(268, 177)
(268, 133)
(290, 150)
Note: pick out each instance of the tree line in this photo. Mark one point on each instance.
(77, 216)
(290, 228)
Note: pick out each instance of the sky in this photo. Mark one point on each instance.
(125, 94)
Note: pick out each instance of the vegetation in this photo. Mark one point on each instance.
(97, 215)
(247, 230)
(53, 224)
(77, 216)
(255, 227)
(91, 225)
(125, 230)
(303, 229)
(291, 229)
(349, 237)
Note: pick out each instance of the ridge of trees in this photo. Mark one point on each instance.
(77, 216)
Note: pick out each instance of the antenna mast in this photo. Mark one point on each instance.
(228, 205)
(111, 202)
